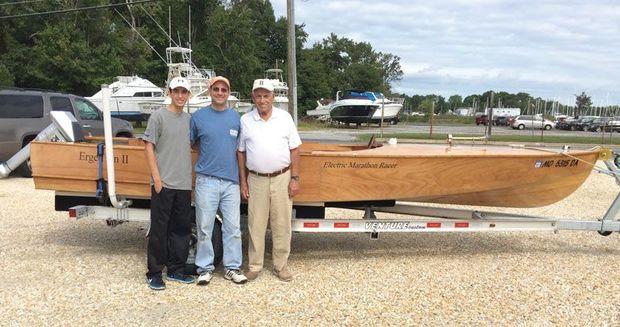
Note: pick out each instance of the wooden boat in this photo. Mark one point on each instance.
(473, 175)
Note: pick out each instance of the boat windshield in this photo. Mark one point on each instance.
(360, 95)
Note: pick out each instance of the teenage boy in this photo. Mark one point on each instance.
(168, 154)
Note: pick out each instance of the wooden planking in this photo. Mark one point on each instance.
(494, 176)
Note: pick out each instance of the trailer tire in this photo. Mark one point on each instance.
(605, 233)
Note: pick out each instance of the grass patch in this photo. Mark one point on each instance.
(309, 124)
(505, 138)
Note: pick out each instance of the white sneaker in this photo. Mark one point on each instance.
(204, 278)
(236, 276)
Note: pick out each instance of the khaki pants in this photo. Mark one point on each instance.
(269, 203)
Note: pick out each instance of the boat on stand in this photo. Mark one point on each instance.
(365, 107)
(280, 90)
(131, 95)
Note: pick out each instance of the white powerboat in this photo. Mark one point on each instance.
(358, 107)
(130, 96)
(179, 62)
(321, 112)
(280, 90)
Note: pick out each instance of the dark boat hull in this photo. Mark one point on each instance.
(353, 114)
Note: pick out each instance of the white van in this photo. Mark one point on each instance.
(534, 122)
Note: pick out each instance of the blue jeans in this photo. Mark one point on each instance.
(214, 193)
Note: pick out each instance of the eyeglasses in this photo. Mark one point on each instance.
(220, 89)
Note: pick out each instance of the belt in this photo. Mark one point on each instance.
(274, 174)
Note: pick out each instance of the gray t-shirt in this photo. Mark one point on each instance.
(169, 133)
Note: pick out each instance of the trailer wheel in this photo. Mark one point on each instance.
(605, 233)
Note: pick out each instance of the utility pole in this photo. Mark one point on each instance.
(487, 134)
(431, 119)
(292, 60)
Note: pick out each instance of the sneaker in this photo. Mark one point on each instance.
(204, 278)
(181, 278)
(284, 274)
(156, 283)
(251, 275)
(235, 275)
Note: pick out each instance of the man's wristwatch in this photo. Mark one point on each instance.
(295, 178)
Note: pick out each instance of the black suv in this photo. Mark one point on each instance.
(26, 112)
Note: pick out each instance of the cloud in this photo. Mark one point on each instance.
(546, 48)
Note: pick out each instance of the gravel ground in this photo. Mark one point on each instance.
(59, 272)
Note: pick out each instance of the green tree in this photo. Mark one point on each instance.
(455, 101)
(582, 103)
(6, 78)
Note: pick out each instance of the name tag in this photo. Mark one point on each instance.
(233, 132)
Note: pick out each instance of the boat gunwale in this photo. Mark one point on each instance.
(357, 154)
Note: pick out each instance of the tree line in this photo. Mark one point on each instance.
(78, 51)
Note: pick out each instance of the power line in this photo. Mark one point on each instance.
(18, 2)
(76, 9)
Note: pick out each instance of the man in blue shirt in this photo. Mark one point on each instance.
(215, 130)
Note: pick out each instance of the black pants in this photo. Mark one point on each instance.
(169, 235)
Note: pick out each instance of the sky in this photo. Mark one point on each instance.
(552, 49)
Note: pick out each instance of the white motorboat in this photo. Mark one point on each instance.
(179, 62)
(368, 107)
(130, 96)
(321, 112)
(280, 90)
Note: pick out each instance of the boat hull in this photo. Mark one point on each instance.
(353, 114)
(486, 176)
(390, 112)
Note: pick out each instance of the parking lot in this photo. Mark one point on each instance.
(348, 134)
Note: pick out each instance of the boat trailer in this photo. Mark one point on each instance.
(423, 218)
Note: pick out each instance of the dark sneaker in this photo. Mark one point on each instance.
(204, 278)
(236, 276)
(181, 278)
(156, 283)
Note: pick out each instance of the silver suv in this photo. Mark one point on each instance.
(26, 112)
(536, 122)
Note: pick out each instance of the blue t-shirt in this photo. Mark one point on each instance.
(217, 133)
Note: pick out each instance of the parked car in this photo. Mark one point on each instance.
(482, 120)
(500, 121)
(536, 122)
(582, 123)
(26, 112)
(565, 123)
(598, 124)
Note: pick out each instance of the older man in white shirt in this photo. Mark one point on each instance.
(268, 156)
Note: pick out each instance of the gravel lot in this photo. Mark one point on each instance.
(59, 272)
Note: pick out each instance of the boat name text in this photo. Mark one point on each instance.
(561, 163)
(353, 164)
(90, 158)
